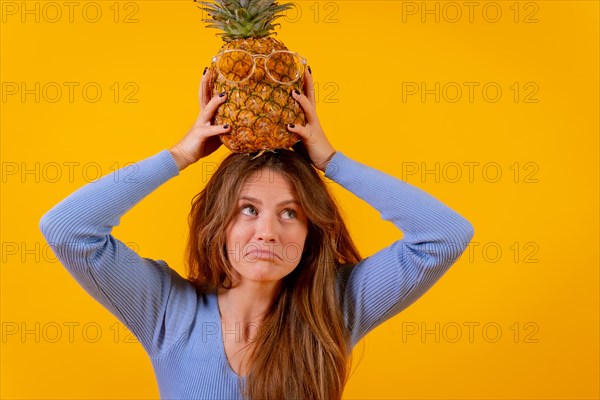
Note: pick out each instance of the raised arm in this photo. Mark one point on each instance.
(387, 282)
(382, 285)
(142, 293)
(151, 299)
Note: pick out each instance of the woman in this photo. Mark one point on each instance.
(277, 294)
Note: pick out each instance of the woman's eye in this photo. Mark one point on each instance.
(248, 207)
(290, 212)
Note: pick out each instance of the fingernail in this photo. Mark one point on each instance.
(205, 69)
(291, 125)
(297, 92)
(226, 126)
(309, 71)
(221, 94)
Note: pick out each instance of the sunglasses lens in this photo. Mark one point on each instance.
(235, 65)
(285, 67)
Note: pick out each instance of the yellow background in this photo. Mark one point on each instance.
(362, 53)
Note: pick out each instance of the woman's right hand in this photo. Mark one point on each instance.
(314, 143)
(201, 140)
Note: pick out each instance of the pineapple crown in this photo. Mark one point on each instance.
(240, 19)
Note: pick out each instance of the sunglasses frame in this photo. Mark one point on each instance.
(216, 58)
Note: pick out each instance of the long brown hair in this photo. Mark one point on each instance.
(301, 348)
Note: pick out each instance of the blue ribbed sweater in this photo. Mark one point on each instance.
(180, 329)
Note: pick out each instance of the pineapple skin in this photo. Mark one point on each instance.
(259, 109)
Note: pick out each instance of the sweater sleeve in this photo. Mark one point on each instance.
(385, 283)
(152, 300)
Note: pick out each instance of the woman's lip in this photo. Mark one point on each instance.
(262, 254)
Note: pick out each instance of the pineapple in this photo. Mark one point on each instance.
(259, 104)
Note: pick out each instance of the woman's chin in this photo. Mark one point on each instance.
(263, 270)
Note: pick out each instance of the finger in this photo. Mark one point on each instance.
(307, 106)
(215, 130)
(309, 85)
(305, 133)
(209, 110)
(205, 88)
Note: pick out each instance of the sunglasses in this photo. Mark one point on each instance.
(237, 66)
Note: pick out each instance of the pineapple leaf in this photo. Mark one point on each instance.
(243, 18)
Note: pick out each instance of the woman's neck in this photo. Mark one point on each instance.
(246, 303)
(242, 309)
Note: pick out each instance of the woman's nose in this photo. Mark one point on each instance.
(266, 229)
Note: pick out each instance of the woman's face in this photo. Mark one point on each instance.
(266, 238)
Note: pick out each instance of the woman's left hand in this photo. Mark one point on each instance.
(317, 146)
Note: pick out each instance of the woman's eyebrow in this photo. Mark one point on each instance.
(259, 202)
